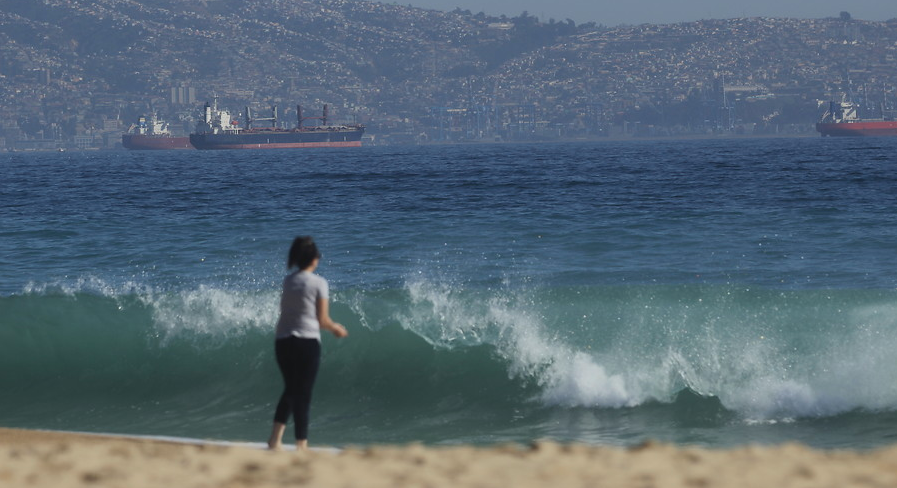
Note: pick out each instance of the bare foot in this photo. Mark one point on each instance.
(274, 440)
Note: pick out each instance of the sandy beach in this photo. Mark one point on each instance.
(60, 460)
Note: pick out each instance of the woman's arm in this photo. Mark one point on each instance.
(323, 309)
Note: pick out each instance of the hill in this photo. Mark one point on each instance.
(71, 67)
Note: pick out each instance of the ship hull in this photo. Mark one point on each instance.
(882, 128)
(140, 142)
(279, 139)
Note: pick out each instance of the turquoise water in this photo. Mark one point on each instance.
(698, 292)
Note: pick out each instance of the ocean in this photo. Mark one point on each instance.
(716, 293)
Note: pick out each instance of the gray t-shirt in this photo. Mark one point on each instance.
(298, 305)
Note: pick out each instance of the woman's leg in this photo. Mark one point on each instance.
(283, 351)
(298, 360)
(309, 360)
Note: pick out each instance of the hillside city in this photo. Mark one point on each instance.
(79, 73)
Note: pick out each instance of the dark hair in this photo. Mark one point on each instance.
(302, 252)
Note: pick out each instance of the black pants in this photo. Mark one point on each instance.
(298, 360)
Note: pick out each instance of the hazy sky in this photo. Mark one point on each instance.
(615, 12)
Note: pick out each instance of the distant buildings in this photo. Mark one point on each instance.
(423, 76)
(183, 95)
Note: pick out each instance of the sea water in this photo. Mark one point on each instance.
(703, 292)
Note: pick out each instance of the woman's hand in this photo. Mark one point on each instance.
(326, 322)
(338, 330)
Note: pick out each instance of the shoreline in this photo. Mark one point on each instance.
(38, 458)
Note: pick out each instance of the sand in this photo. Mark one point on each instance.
(60, 460)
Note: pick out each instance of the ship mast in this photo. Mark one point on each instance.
(302, 119)
(250, 120)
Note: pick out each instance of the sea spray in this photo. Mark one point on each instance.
(216, 314)
(764, 353)
(199, 360)
(714, 292)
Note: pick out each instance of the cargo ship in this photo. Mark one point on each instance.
(841, 119)
(217, 129)
(152, 134)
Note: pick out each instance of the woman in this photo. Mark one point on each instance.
(304, 311)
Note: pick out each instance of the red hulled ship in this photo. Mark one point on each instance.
(841, 120)
(152, 134)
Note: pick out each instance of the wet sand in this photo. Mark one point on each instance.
(61, 460)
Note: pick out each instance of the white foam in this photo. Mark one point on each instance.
(580, 381)
(567, 376)
(194, 441)
(743, 353)
(211, 311)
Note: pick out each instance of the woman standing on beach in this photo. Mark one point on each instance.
(304, 311)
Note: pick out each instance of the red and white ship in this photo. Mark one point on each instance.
(152, 134)
(841, 119)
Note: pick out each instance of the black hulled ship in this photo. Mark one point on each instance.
(217, 129)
